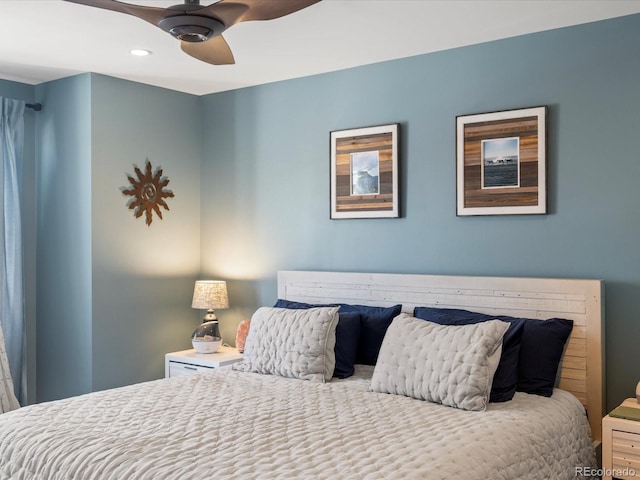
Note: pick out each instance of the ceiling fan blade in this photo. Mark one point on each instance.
(152, 15)
(227, 12)
(215, 51)
(268, 9)
(231, 12)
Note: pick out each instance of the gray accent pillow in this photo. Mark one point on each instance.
(451, 365)
(291, 343)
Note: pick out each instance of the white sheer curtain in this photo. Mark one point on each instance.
(12, 343)
(8, 400)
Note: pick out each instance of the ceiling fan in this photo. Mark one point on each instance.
(200, 27)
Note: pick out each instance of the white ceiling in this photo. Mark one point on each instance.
(42, 40)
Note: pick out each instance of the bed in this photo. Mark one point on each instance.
(238, 424)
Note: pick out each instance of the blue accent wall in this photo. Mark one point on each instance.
(63, 336)
(265, 174)
(16, 90)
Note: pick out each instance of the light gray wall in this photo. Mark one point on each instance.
(113, 293)
(142, 276)
(20, 91)
(63, 156)
(265, 174)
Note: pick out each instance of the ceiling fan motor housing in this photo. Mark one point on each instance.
(192, 28)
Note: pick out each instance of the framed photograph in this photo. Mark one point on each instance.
(364, 172)
(501, 162)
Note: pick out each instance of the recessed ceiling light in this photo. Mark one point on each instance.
(139, 52)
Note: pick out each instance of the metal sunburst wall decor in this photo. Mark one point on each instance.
(148, 192)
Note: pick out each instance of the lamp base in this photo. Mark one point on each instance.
(206, 338)
(206, 346)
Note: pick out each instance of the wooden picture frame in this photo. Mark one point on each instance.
(501, 162)
(364, 172)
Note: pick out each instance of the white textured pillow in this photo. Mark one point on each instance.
(292, 343)
(451, 365)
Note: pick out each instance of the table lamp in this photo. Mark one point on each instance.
(208, 295)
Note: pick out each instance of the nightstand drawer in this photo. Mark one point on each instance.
(188, 361)
(625, 451)
(625, 442)
(176, 369)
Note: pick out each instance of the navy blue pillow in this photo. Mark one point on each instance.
(281, 303)
(374, 324)
(347, 336)
(375, 321)
(541, 347)
(540, 353)
(505, 380)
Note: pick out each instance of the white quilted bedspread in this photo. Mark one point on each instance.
(233, 425)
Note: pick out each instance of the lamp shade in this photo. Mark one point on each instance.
(210, 295)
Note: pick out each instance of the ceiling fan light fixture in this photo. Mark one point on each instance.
(191, 33)
(191, 28)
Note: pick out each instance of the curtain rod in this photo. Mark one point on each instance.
(34, 106)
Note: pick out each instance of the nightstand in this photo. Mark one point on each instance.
(621, 446)
(188, 361)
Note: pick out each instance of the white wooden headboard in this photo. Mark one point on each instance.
(582, 367)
